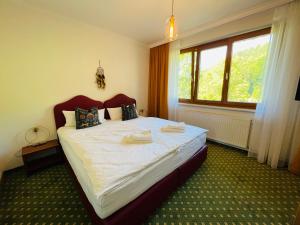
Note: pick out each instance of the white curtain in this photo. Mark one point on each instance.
(174, 53)
(275, 134)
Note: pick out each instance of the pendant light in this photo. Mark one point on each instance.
(171, 29)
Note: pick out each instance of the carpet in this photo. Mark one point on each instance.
(229, 189)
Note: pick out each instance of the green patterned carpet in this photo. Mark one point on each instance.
(229, 189)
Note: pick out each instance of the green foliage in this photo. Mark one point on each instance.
(245, 82)
(211, 83)
(185, 78)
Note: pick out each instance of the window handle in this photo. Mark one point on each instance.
(227, 76)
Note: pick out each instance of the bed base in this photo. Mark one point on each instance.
(135, 212)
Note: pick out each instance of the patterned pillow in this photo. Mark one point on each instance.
(128, 112)
(86, 118)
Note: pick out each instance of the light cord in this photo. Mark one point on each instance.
(172, 7)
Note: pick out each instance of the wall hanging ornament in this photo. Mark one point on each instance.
(100, 78)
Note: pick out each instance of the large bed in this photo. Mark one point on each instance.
(122, 183)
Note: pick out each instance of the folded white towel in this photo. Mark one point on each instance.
(164, 129)
(176, 127)
(179, 125)
(138, 138)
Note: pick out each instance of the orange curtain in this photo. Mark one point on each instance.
(158, 81)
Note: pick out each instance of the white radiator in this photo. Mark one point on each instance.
(228, 129)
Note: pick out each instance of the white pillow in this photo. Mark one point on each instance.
(70, 118)
(101, 115)
(115, 113)
(136, 110)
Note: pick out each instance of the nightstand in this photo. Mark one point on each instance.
(42, 156)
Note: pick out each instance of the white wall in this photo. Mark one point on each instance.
(46, 59)
(246, 24)
(190, 113)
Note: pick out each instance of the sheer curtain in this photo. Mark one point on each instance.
(174, 53)
(275, 134)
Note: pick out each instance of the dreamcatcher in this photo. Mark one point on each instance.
(100, 78)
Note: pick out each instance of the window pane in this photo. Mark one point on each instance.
(211, 73)
(247, 66)
(185, 77)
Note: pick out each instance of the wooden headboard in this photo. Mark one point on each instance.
(80, 101)
(84, 102)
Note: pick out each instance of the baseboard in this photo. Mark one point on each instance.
(1, 175)
(226, 144)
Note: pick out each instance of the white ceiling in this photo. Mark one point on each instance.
(144, 20)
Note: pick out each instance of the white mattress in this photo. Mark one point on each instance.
(107, 196)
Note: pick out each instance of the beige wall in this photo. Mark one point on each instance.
(46, 59)
(246, 24)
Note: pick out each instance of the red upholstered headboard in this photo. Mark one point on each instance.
(84, 102)
(117, 101)
(80, 101)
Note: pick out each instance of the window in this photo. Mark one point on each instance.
(211, 68)
(185, 77)
(228, 72)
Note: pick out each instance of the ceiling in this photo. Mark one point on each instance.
(144, 20)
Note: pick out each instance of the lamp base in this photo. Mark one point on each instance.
(39, 143)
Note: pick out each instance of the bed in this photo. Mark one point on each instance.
(123, 184)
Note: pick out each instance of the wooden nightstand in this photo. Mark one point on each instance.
(42, 156)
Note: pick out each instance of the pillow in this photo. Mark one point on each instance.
(70, 118)
(86, 118)
(101, 115)
(115, 113)
(128, 112)
(71, 121)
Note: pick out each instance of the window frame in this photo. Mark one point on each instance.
(226, 76)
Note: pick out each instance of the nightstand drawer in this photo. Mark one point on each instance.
(43, 163)
(42, 156)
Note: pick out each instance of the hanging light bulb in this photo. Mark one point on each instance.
(171, 29)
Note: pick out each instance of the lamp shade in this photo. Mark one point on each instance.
(297, 98)
(171, 29)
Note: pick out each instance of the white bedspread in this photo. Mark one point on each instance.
(109, 162)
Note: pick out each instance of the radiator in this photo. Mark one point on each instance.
(223, 128)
